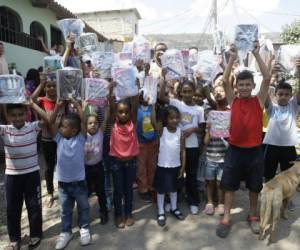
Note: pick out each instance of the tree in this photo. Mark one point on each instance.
(291, 32)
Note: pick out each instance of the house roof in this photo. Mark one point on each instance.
(62, 13)
(136, 12)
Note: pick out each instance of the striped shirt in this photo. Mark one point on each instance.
(215, 150)
(20, 146)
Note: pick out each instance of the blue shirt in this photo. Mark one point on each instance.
(145, 130)
(70, 158)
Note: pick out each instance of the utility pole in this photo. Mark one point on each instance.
(215, 13)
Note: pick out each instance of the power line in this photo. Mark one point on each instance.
(274, 13)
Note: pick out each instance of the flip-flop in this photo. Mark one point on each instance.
(223, 229)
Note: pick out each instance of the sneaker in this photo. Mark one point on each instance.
(85, 236)
(253, 222)
(194, 209)
(63, 240)
(223, 229)
(209, 209)
(220, 210)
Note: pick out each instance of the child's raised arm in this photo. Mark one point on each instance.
(38, 110)
(134, 105)
(39, 89)
(111, 99)
(182, 156)
(52, 118)
(298, 76)
(226, 76)
(66, 55)
(162, 94)
(106, 119)
(80, 109)
(264, 88)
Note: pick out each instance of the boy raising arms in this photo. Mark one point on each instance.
(244, 159)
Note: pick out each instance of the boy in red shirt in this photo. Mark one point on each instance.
(244, 158)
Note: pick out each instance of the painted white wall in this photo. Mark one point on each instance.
(23, 57)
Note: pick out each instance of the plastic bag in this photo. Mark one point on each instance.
(71, 27)
(141, 49)
(288, 55)
(52, 63)
(88, 43)
(127, 47)
(172, 60)
(219, 41)
(207, 65)
(125, 77)
(96, 91)
(245, 36)
(219, 123)
(103, 61)
(150, 89)
(69, 83)
(12, 89)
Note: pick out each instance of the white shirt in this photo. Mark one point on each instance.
(282, 129)
(3, 66)
(169, 149)
(191, 117)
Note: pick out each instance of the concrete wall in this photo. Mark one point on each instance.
(23, 57)
(112, 23)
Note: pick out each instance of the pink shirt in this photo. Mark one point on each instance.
(123, 141)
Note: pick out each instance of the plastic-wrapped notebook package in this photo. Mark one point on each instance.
(245, 36)
(219, 123)
(150, 89)
(96, 91)
(125, 77)
(207, 64)
(288, 55)
(219, 41)
(52, 63)
(88, 43)
(69, 83)
(103, 61)
(12, 89)
(141, 49)
(172, 60)
(125, 58)
(71, 27)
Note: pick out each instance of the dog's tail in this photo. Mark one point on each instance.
(266, 208)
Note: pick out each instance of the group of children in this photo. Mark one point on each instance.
(157, 146)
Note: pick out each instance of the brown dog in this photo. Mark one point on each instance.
(275, 197)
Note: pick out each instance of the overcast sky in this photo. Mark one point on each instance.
(189, 16)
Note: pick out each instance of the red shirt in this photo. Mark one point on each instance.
(47, 104)
(123, 141)
(246, 122)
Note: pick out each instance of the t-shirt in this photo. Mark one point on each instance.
(191, 117)
(93, 148)
(145, 130)
(282, 130)
(246, 122)
(70, 158)
(20, 146)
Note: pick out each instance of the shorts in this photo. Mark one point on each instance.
(214, 170)
(243, 164)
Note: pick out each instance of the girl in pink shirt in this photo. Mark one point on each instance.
(123, 149)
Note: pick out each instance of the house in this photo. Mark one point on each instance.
(115, 24)
(22, 21)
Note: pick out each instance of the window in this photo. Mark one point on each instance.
(136, 29)
(56, 36)
(37, 29)
(10, 19)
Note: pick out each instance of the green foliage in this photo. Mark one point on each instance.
(291, 32)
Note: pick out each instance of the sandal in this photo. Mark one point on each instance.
(34, 243)
(253, 222)
(12, 246)
(209, 209)
(177, 214)
(223, 229)
(161, 219)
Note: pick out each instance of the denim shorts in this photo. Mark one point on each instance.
(214, 170)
